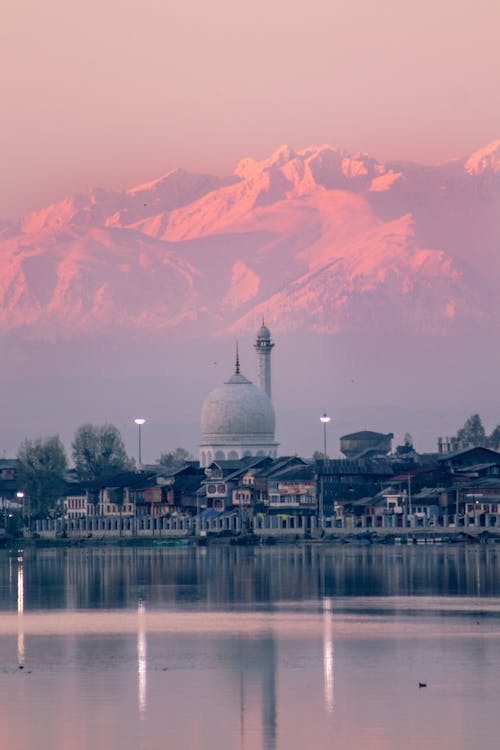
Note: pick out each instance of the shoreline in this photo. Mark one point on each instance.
(392, 537)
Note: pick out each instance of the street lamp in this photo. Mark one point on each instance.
(20, 496)
(321, 504)
(325, 419)
(139, 422)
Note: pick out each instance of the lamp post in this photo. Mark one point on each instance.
(321, 509)
(325, 419)
(410, 509)
(139, 422)
(20, 496)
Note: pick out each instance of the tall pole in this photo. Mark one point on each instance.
(409, 496)
(321, 505)
(325, 419)
(139, 422)
(21, 496)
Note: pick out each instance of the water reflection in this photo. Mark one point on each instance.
(254, 660)
(249, 649)
(107, 578)
(141, 658)
(328, 654)
(269, 703)
(20, 611)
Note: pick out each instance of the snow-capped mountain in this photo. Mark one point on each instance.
(316, 239)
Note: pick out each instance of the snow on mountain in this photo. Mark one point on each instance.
(80, 210)
(316, 239)
(487, 158)
(380, 280)
(286, 175)
(95, 280)
(155, 199)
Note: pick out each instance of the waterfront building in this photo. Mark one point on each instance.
(343, 481)
(223, 478)
(292, 486)
(471, 459)
(262, 481)
(76, 504)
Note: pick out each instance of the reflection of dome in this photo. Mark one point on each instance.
(237, 411)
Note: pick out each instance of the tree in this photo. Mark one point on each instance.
(494, 438)
(97, 450)
(42, 463)
(318, 456)
(472, 433)
(175, 459)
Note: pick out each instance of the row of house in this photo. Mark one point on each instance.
(461, 488)
(241, 483)
(453, 489)
(374, 491)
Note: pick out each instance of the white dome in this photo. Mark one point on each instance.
(237, 411)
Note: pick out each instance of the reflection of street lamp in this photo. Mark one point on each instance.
(325, 419)
(139, 422)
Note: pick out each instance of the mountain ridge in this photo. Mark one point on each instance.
(316, 239)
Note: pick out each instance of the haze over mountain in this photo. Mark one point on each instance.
(330, 247)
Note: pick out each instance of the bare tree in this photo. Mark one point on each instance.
(494, 438)
(99, 450)
(472, 433)
(174, 459)
(42, 463)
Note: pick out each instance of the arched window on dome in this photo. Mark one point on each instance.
(209, 458)
(219, 456)
(233, 456)
(260, 453)
(203, 458)
(247, 454)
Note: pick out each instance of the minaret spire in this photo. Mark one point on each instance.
(237, 368)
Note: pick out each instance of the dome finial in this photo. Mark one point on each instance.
(237, 368)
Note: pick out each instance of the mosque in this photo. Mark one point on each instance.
(237, 418)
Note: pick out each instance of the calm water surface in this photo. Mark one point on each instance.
(270, 647)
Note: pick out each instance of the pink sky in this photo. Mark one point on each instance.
(115, 92)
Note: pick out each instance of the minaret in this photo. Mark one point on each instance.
(263, 346)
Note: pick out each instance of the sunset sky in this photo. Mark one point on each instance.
(113, 92)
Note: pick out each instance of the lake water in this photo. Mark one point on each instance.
(275, 648)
